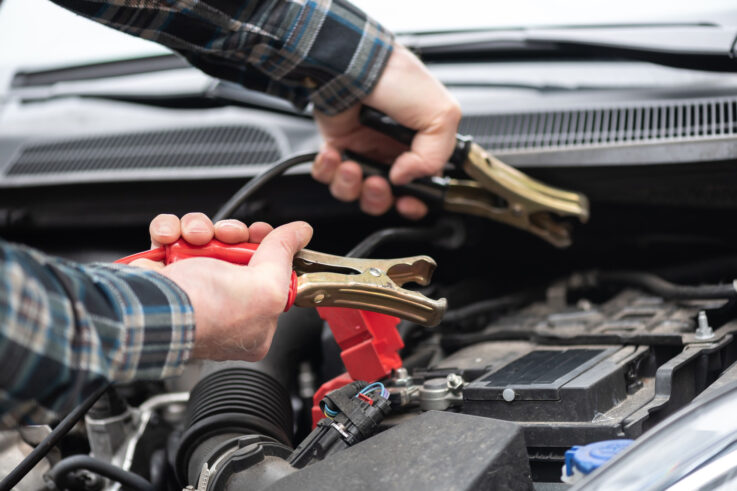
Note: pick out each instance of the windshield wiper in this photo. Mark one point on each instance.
(703, 47)
(96, 71)
(88, 81)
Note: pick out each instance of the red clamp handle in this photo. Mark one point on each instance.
(240, 253)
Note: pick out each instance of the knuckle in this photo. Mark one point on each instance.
(453, 112)
(342, 193)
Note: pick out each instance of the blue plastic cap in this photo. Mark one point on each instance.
(592, 456)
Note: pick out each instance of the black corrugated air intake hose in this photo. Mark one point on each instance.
(232, 402)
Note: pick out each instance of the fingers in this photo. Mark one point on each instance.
(258, 231)
(231, 231)
(273, 259)
(412, 208)
(376, 196)
(280, 246)
(412, 96)
(430, 150)
(164, 229)
(344, 180)
(197, 228)
(347, 184)
(326, 163)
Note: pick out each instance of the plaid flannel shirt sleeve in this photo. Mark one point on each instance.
(64, 327)
(325, 51)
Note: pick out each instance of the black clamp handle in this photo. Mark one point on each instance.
(382, 123)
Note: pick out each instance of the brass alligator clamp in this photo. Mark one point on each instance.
(325, 280)
(496, 190)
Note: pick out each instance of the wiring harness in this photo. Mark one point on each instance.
(352, 414)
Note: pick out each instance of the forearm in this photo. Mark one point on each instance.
(323, 51)
(64, 326)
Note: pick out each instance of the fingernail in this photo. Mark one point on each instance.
(164, 230)
(330, 159)
(399, 179)
(227, 224)
(198, 226)
(305, 232)
(372, 193)
(347, 176)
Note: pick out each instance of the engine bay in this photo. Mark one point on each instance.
(541, 349)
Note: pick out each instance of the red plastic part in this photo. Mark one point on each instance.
(240, 253)
(366, 399)
(369, 342)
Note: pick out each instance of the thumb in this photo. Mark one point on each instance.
(430, 150)
(276, 251)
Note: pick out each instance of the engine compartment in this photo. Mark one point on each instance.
(591, 356)
(541, 349)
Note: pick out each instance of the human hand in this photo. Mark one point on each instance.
(235, 307)
(409, 94)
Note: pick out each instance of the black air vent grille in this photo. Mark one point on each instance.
(664, 120)
(222, 146)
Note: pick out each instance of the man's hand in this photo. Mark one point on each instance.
(235, 307)
(409, 94)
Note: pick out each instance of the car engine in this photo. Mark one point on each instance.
(623, 336)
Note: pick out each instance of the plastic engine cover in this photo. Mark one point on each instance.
(436, 450)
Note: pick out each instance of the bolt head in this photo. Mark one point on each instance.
(374, 271)
(454, 381)
(707, 333)
(508, 394)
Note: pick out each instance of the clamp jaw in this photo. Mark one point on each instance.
(325, 280)
(525, 203)
(495, 190)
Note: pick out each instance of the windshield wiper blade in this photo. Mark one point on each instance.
(713, 49)
(95, 71)
(88, 81)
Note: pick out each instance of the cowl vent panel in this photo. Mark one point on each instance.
(201, 147)
(690, 119)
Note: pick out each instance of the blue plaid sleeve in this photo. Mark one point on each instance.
(325, 51)
(64, 327)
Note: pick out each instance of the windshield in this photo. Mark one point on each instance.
(39, 34)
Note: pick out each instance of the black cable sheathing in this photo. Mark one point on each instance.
(659, 286)
(256, 183)
(60, 473)
(397, 234)
(51, 439)
(488, 306)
